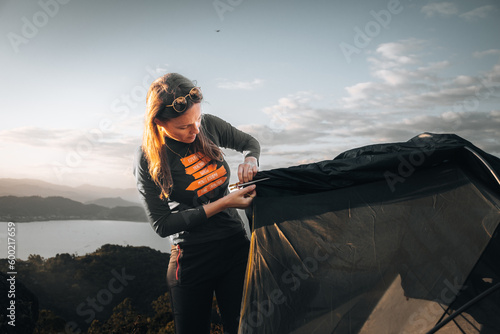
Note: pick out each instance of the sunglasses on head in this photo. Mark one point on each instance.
(180, 103)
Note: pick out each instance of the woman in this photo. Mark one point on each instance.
(182, 178)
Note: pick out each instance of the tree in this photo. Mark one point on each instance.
(124, 320)
(163, 312)
(49, 322)
(36, 260)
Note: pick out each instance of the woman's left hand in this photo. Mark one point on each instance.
(247, 170)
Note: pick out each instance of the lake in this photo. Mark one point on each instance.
(48, 238)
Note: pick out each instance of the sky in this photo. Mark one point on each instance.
(308, 79)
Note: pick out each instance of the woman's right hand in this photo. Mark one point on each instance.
(239, 199)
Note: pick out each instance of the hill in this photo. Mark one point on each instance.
(116, 289)
(36, 208)
(87, 288)
(84, 193)
(111, 202)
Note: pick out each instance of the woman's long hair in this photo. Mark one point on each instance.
(161, 93)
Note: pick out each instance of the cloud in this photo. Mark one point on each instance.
(68, 139)
(407, 96)
(37, 137)
(240, 85)
(295, 120)
(65, 154)
(409, 82)
(469, 124)
(402, 52)
(446, 9)
(400, 62)
(478, 13)
(346, 130)
(440, 8)
(482, 128)
(491, 52)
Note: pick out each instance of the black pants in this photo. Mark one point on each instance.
(195, 272)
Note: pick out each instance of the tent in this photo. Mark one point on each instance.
(388, 238)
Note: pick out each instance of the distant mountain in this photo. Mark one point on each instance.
(36, 208)
(112, 202)
(84, 193)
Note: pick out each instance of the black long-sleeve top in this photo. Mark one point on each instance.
(197, 180)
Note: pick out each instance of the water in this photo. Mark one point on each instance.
(48, 238)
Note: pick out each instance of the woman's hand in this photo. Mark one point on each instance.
(240, 199)
(248, 169)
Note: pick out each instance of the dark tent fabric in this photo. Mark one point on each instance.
(388, 238)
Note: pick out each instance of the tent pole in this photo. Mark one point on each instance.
(464, 307)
